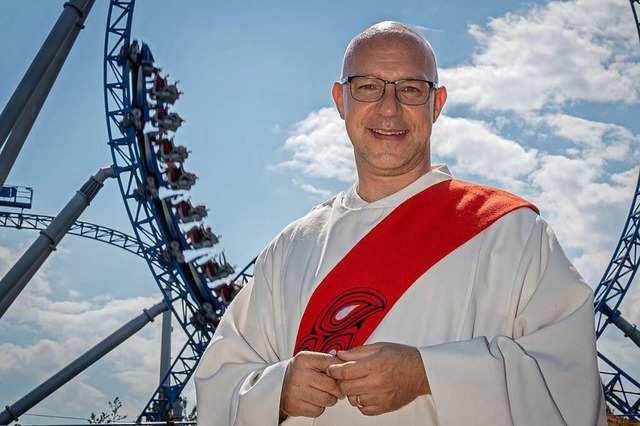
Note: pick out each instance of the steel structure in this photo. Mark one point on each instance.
(83, 229)
(16, 196)
(13, 411)
(621, 390)
(185, 289)
(19, 275)
(159, 239)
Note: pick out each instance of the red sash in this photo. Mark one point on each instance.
(355, 296)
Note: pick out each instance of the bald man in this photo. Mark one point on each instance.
(478, 318)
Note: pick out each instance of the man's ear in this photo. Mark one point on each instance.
(336, 93)
(439, 101)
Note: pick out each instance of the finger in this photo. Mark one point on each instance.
(319, 398)
(353, 400)
(306, 409)
(358, 352)
(356, 387)
(372, 410)
(317, 360)
(326, 384)
(349, 370)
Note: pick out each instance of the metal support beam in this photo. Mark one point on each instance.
(165, 345)
(12, 412)
(21, 273)
(629, 330)
(70, 22)
(23, 124)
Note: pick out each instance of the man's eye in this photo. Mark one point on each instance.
(411, 90)
(368, 87)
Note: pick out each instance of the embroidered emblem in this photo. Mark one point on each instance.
(341, 319)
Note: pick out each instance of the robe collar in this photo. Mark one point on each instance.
(439, 173)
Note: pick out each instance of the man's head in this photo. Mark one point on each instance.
(390, 135)
(394, 30)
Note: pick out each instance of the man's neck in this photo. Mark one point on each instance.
(374, 187)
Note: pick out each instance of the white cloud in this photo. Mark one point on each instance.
(320, 148)
(476, 148)
(562, 52)
(319, 193)
(54, 333)
(424, 29)
(591, 138)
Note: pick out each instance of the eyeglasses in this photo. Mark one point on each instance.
(410, 91)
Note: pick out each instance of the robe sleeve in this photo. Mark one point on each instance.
(543, 371)
(239, 378)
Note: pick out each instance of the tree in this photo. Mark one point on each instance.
(193, 414)
(112, 416)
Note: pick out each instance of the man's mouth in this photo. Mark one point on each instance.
(388, 132)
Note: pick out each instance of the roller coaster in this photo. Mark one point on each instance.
(170, 233)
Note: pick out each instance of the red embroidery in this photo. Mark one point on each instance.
(337, 325)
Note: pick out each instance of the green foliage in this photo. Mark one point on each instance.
(112, 416)
(114, 406)
(192, 415)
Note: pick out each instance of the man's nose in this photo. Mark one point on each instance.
(389, 105)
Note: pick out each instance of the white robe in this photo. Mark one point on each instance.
(504, 325)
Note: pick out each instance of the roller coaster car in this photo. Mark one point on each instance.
(173, 252)
(176, 178)
(165, 120)
(129, 53)
(169, 153)
(164, 92)
(225, 293)
(200, 237)
(225, 266)
(186, 212)
(146, 61)
(215, 269)
(133, 119)
(210, 270)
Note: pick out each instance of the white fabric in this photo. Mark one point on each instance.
(504, 325)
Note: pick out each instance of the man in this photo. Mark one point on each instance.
(478, 318)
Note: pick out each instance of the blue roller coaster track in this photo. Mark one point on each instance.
(79, 228)
(185, 289)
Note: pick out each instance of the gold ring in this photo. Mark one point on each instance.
(358, 402)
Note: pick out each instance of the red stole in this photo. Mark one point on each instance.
(355, 296)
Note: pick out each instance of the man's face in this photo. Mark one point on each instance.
(389, 138)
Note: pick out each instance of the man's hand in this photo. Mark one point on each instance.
(380, 377)
(307, 390)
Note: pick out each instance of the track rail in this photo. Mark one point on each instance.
(185, 301)
(79, 228)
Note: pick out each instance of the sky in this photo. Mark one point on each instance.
(543, 101)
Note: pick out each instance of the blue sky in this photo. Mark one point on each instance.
(543, 101)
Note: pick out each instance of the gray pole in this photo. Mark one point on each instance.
(70, 21)
(165, 345)
(12, 412)
(21, 273)
(24, 122)
(629, 330)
